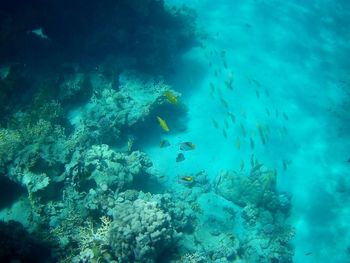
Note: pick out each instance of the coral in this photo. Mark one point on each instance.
(111, 111)
(10, 143)
(267, 235)
(108, 168)
(193, 258)
(29, 156)
(75, 89)
(141, 230)
(246, 189)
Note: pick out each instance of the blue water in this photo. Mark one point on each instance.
(297, 52)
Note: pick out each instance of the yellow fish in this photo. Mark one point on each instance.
(187, 178)
(170, 97)
(163, 124)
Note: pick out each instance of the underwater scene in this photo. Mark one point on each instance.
(174, 131)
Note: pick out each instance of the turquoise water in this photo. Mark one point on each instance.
(296, 52)
(262, 105)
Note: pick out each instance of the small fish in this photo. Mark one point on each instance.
(216, 73)
(308, 253)
(162, 177)
(285, 164)
(252, 160)
(228, 84)
(210, 64)
(349, 160)
(39, 32)
(238, 143)
(224, 133)
(226, 124)
(224, 102)
(241, 168)
(163, 124)
(229, 81)
(164, 143)
(243, 130)
(267, 111)
(261, 133)
(215, 123)
(232, 116)
(170, 97)
(285, 116)
(188, 178)
(187, 146)
(180, 157)
(252, 144)
(257, 83)
(256, 168)
(257, 93)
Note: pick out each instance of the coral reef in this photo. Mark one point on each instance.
(112, 111)
(73, 143)
(140, 231)
(265, 233)
(136, 227)
(107, 168)
(243, 189)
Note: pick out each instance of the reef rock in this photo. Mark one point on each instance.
(246, 189)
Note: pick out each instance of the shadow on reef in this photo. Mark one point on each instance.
(17, 245)
(146, 35)
(10, 192)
